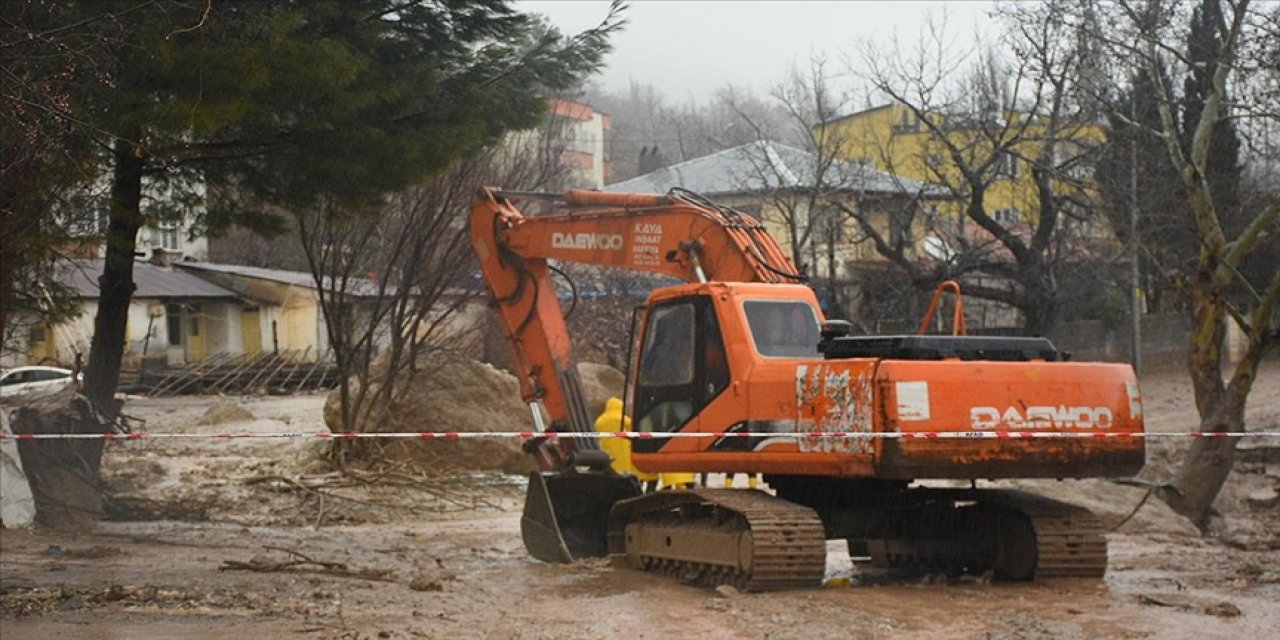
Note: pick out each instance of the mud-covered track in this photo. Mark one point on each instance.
(1018, 535)
(1070, 541)
(745, 538)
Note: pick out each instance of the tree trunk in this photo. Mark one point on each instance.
(68, 472)
(7, 260)
(66, 489)
(1200, 477)
(1208, 462)
(834, 303)
(1039, 303)
(116, 285)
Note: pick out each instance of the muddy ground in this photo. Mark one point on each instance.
(413, 555)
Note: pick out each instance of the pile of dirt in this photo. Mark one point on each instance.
(599, 383)
(224, 411)
(469, 396)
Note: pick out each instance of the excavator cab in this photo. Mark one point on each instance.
(682, 365)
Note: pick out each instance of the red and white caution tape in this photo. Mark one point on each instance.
(643, 435)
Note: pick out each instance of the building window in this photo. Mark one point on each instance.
(1007, 165)
(1010, 215)
(169, 236)
(907, 123)
(1077, 226)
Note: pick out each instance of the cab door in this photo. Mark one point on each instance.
(681, 367)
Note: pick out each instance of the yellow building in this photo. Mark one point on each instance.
(892, 138)
(282, 309)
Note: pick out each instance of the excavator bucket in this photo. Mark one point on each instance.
(566, 515)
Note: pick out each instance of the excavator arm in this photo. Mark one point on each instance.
(680, 235)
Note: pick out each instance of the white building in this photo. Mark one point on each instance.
(175, 209)
(174, 317)
(584, 130)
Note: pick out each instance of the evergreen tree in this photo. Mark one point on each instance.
(1223, 167)
(1166, 235)
(301, 106)
(1165, 226)
(288, 106)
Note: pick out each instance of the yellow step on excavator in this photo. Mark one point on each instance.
(742, 355)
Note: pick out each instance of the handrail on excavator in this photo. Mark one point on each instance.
(958, 327)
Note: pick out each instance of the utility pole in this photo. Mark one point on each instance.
(1135, 291)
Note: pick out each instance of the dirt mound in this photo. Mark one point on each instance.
(464, 395)
(600, 382)
(224, 411)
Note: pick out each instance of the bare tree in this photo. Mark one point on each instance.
(392, 286)
(643, 119)
(800, 189)
(987, 116)
(1144, 37)
(601, 310)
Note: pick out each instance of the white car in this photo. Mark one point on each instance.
(33, 382)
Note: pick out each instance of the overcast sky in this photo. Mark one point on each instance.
(689, 49)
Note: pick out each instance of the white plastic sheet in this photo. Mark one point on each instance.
(17, 506)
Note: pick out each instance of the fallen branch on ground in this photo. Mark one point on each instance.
(317, 485)
(326, 567)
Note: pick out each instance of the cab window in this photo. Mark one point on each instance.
(782, 329)
(668, 351)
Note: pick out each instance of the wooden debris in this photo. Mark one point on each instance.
(304, 563)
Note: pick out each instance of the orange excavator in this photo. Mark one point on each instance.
(742, 355)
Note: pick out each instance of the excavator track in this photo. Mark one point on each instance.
(1020, 536)
(1070, 541)
(744, 538)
